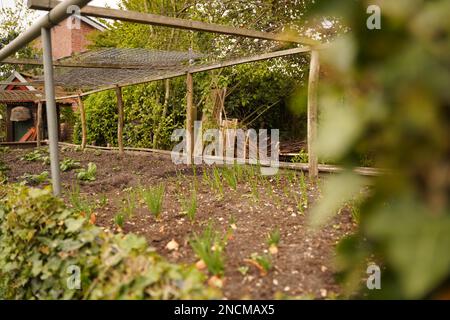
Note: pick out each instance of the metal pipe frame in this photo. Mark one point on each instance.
(42, 28)
(52, 120)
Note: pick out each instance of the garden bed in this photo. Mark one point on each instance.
(243, 210)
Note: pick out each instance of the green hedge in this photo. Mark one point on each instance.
(42, 243)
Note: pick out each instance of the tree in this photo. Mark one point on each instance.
(14, 20)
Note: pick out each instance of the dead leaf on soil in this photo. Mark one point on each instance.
(262, 272)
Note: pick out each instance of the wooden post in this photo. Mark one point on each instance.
(39, 124)
(312, 114)
(191, 114)
(83, 122)
(120, 122)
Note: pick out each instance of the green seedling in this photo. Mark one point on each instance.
(209, 247)
(262, 262)
(243, 270)
(129, 204)
(273, 238)
(89, 173)
(78, 203)
(37, 155)
(190, 206)
(217, 181)
(230, 177)
(36, 179)
(119, 219)
(153, 198)
(68, 164)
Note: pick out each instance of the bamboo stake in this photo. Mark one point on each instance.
(191, 112)
(39, 124)
(83, 123)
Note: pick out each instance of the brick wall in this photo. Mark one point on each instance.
(66, 41)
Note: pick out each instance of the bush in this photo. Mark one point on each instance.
(43, 244)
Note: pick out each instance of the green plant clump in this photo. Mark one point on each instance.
(153, 198)
(190, 206)
(68, 164)
(48, 251)
(35, 179)
(209, 247)
(89, 173)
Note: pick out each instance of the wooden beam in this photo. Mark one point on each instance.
(158, 20)
(25, 84)
(38, 62)
(314, 70)
(203, 68)
(39, 124)
(120, 120)
(191, 115)
(83, 122)
(364, 171)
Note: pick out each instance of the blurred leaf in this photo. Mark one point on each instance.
(415, 240)
(337, 190)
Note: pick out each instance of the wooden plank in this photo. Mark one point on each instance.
(313, 81)
(39, 124)
(259, 57)
(191, 115)
(158, 20)
(24, 84)
(325, 168)
(196, 69)
(120, 120)
(38, 62)
(83, 122)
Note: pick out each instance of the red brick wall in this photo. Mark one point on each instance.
(66, 41)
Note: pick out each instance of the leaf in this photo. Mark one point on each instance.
(74, 225)
(415, 242)
(337, 190)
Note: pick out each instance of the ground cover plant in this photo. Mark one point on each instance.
(41, 242)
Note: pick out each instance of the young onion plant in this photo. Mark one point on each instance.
(154, 198)
(209, 246)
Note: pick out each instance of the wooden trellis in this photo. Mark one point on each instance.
(112, 75)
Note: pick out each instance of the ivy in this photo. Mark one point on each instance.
(41, 241)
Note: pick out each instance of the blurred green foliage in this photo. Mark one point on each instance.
(387, 92)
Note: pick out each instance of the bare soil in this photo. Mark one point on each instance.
(303, 265)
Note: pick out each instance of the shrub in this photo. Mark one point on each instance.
(41, 241)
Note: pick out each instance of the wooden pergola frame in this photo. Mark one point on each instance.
(308, 46)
